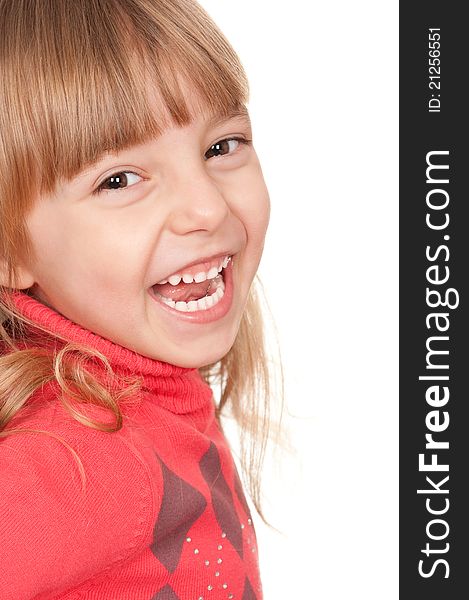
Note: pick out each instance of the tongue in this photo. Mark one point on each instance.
(183, 291)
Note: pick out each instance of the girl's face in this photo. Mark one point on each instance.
(175, 201)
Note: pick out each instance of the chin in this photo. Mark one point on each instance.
(197, 355)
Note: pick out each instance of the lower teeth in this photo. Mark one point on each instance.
(202, 304)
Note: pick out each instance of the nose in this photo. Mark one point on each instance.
(198, 204)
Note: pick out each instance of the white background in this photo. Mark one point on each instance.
(324, 107)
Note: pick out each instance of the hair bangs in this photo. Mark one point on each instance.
(98, 77)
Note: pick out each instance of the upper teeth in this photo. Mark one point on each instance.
(198, 277)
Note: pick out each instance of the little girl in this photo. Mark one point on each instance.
(133, 213)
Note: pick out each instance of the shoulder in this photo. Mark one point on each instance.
(79, 496)
(47, 435)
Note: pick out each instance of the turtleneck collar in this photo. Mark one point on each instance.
(178, 389)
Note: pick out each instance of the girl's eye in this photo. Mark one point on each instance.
(124, 179)
(118, 181)
(223, 146)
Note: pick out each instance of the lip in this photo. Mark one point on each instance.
(212, 314)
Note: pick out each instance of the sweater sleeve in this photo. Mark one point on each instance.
(54, 533)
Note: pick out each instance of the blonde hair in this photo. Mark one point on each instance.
(73, 81)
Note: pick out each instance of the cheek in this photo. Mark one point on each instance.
(257, 214)
(252, 205)
(72, 254)
(51, 240)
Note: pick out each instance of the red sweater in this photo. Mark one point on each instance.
(162, 515)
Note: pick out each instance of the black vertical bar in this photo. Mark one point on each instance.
(434, 269)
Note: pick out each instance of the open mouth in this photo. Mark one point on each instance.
(198, 288)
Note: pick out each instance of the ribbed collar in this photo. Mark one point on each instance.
(178, 389)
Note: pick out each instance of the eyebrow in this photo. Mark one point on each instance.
(241, 113)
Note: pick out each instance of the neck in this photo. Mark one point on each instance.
(178, 389)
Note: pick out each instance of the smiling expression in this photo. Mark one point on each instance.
(105, 238)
